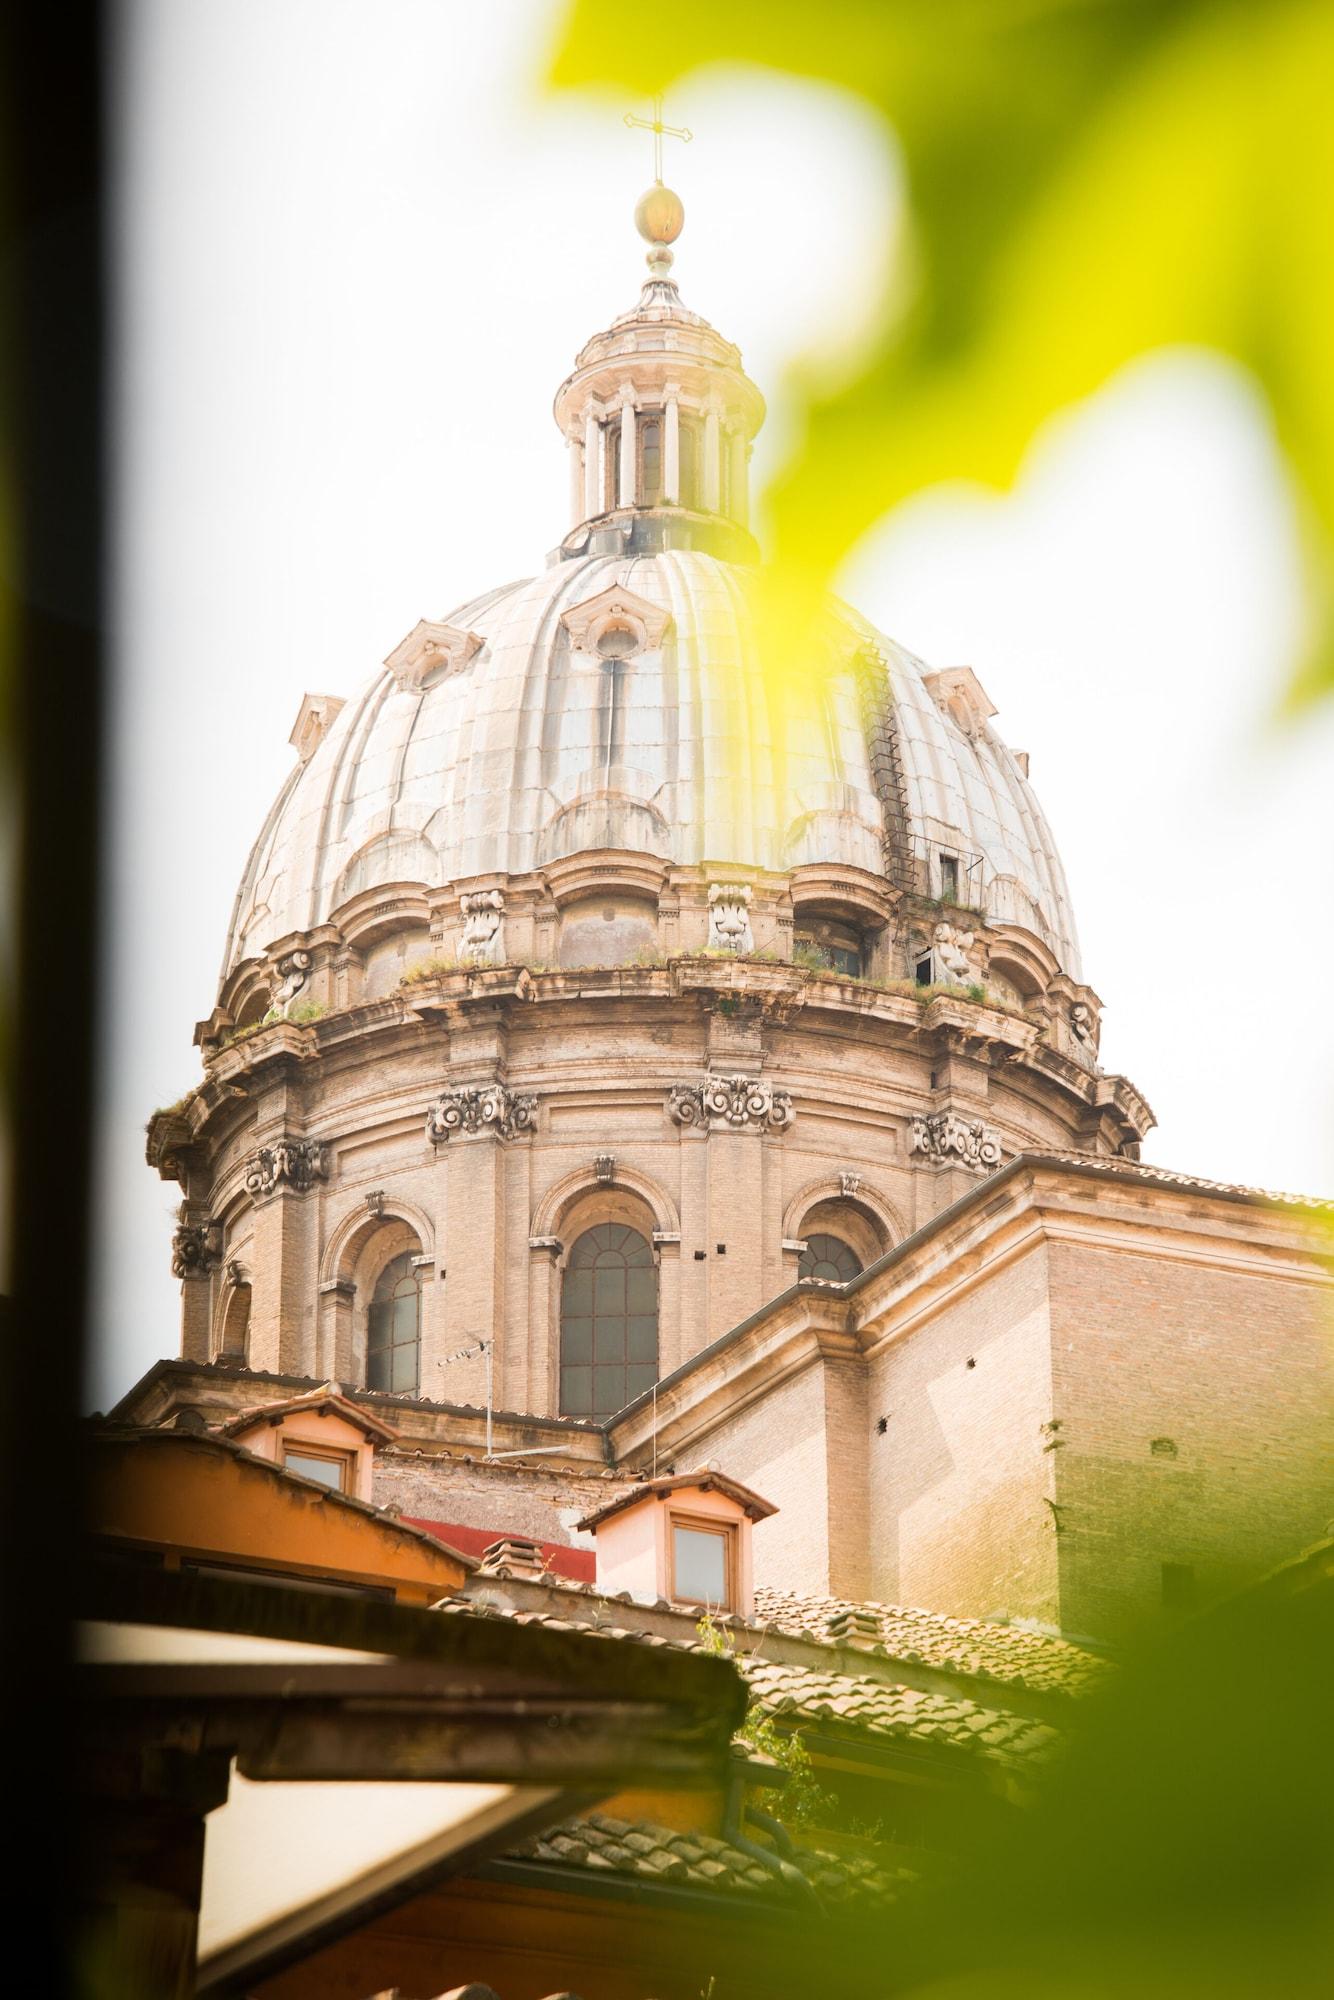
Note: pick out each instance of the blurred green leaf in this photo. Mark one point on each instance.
(1086, 182)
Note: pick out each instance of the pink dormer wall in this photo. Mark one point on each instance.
(632, 1538)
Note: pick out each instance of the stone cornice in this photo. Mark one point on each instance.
(778, 992)
(1002, 1218)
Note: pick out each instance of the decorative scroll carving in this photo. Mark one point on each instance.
(293, 972)
(482, 942)
(939, 1134)
(739, 1101)
(492, 1108)
(729, 918)
(375, 1201)
(850, 1186)
(951, 948)
(298, 1162)
(194, 1250)
(1084, 1024)
(604, 1166)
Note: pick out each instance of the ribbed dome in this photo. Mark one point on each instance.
(526, 741)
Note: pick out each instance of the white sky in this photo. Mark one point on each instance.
(356, 255)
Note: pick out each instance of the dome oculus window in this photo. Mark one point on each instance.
(829, 1257)
(393, 1332)
(608, 1322)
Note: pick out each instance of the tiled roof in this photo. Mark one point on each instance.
(811, 1695)
(905, 1714)
(1118, 1168)
(659, 1854)
(974, 1646)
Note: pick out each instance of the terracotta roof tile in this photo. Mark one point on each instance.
(657, 1853)
(898, 1712)
(838, 1698)
(980, 1648)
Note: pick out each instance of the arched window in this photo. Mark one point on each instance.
(612, 433)
(235, 1341)
(393, 1333)
(608, 1322)
(829, 1257)
(650, 462)
(689, 449)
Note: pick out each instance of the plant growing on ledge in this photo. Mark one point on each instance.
(802, 1802)
(428, 968)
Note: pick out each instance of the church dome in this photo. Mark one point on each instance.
(618, 701)
(592, 983)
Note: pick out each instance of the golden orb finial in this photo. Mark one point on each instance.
(659, 214)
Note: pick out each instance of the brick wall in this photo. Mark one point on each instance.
(1195, 1412)
(778, 1446)
(510, 1499)
(959, 1479)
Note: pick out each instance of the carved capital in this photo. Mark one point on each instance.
(849, 1185)
(604, 1166)
(742, 1102)
(294, 1163)
(942, 1134)
(491, 1108)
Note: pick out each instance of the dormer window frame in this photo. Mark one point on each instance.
(326, 1454)
(721, 1530)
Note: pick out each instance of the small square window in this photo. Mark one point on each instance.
(702, 1564)
(1178, 1586)
(327, 1468)
(949, 878)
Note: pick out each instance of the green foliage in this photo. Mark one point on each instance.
(1086, 183)
(424, 969)
(309, 1010)
(812, 957)
(802, 1801)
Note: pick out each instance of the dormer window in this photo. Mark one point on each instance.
(685, 1537)
(703, 1563)
(329, 1468)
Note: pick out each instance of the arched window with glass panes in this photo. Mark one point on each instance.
(393, 1328)
(608, 1321)
(650, 459)
(829, 1257)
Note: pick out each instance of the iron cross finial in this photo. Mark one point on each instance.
(658, 129)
